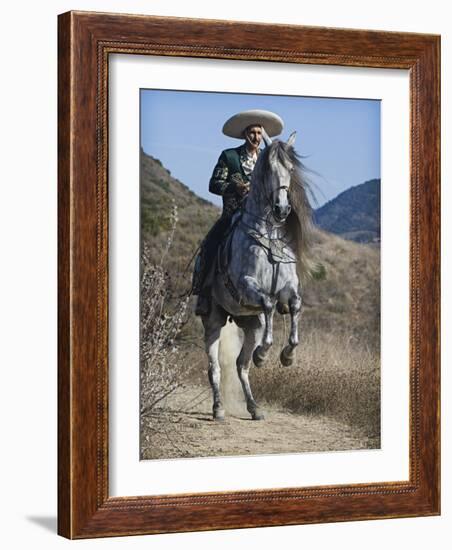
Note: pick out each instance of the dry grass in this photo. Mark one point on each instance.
(347, 299)
(334, 375)
(337, 373)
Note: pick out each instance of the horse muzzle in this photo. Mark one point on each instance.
(280, 213)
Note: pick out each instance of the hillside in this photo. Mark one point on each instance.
(159, 191)
(347, 298)
(345, 294)
(354, 214)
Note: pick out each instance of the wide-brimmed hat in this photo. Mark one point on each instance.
(235, 126)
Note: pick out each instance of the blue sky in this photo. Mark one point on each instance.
(339, 138)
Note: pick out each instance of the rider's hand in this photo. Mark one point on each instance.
(241, 186)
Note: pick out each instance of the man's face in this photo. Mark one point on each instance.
(253, 136)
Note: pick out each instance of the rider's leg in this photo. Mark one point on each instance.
(207, 255)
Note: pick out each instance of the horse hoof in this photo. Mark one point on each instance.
(218, 415)
(258, 415)
(286, 358)
(255, 411)
(258, 357)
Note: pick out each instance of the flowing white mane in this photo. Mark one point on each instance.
(300, 219)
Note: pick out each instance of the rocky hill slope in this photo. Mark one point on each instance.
(354, 214)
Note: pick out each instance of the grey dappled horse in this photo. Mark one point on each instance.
(262, 261)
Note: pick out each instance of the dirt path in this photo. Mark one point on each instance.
(183, 427)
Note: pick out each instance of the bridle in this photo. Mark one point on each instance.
(269, 196)
(273, 191)
(268, 224)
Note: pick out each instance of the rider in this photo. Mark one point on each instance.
(231, 179)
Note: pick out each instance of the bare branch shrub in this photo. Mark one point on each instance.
(162, 365)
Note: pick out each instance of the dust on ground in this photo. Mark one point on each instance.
(183, 427)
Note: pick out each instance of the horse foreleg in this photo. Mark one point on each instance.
(252, 337)
(260, 353)
(253, 294)
(288, 354)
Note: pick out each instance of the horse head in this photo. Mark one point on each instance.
(277, 169)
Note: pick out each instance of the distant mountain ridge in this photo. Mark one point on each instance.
(354, 214)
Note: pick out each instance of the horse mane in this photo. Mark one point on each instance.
(299, 221)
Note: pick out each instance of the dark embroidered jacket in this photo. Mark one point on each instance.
(232, 165)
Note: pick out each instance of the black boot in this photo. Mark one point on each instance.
(203, 305)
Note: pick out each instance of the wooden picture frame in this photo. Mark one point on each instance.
(86, 40)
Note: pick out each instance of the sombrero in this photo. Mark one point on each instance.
(235, 126)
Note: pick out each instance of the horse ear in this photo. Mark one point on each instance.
(266, 137)
(291, 139)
